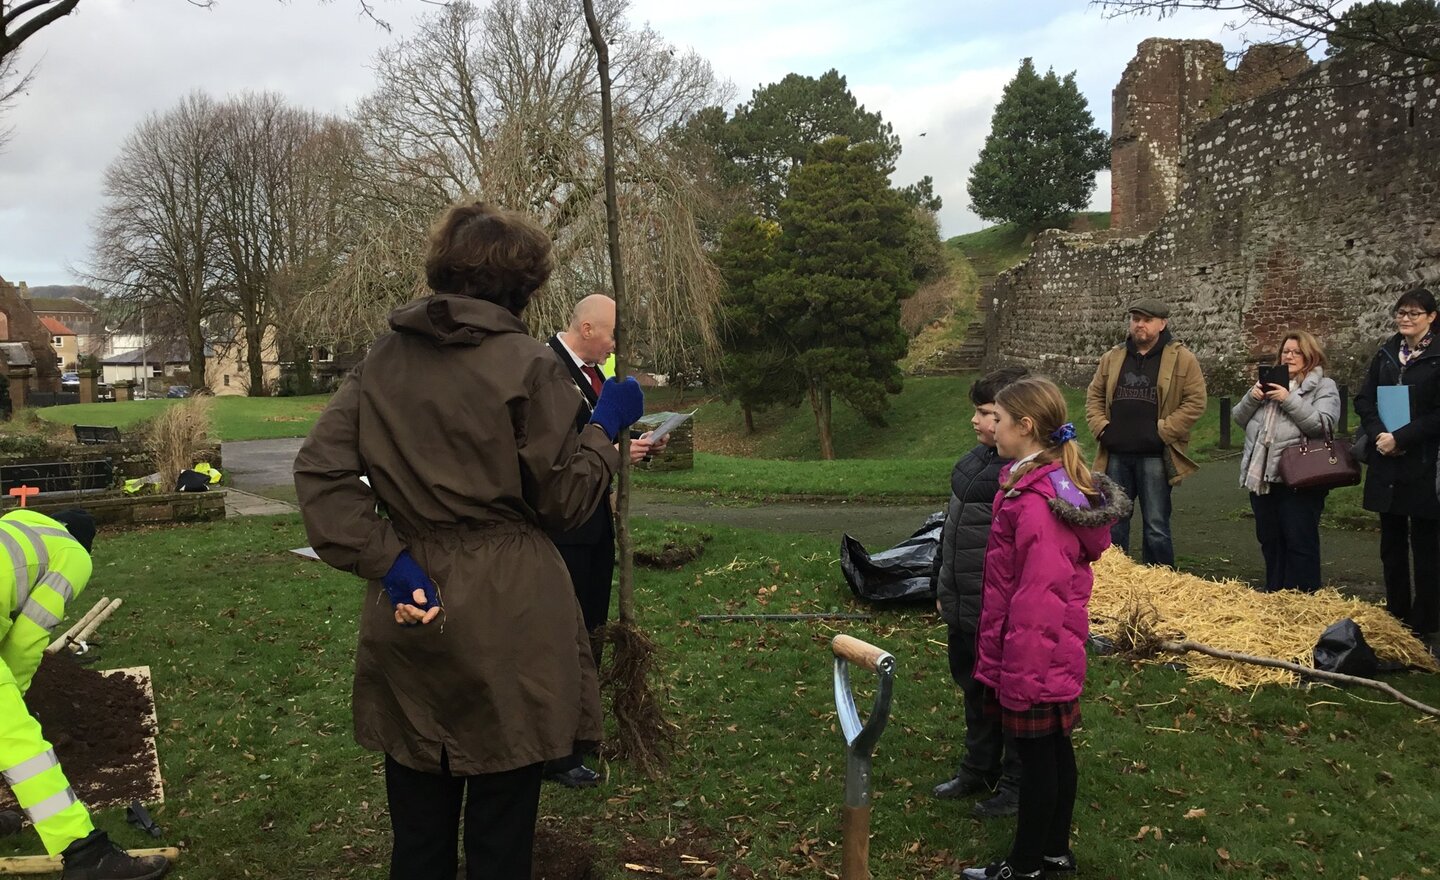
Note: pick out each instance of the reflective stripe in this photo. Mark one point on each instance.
(51, 530)
(41, 615)
(42, 555)
(18, 563)
(48, 808)
(31, 767)
(60, 584)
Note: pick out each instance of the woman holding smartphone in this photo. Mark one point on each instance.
(1400, 479)
(1290, 403)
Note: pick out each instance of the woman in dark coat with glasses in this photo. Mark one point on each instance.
(1400, 482)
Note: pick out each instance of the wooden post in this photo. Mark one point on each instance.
(1224, 423)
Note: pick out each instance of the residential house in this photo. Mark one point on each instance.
(83, 320)
(65, 343)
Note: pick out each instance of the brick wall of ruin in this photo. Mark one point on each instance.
(1310, 206)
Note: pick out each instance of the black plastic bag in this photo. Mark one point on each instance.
(1342, 648)
(904, 573)
(192, 481)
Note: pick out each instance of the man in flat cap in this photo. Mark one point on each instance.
(1147, 394)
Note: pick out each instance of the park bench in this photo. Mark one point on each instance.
(58, 476)
(91, 435)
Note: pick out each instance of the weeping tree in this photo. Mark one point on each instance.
(503, 103)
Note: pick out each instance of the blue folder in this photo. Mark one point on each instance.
(1394, 401)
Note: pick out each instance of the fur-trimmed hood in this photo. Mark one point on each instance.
(1090, 521)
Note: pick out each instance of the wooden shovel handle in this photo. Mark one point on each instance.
(54, 864)
(857, 652)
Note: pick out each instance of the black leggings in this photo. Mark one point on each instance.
(1047, 800)
(425, 813)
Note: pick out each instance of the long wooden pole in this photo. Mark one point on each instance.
(622, 348)
(1308, 672)
(54, 864)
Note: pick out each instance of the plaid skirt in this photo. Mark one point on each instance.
(1041, 719)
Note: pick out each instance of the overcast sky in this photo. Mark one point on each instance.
(931, 66)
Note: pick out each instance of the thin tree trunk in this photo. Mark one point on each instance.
(255, 359)
(749, 418)
(622, 348)
(820, 406)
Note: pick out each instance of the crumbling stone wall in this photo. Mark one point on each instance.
(1168, 91)
(21, 325)
(1312, 206)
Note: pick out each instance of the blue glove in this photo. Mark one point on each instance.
(620, 404)
(404, 578)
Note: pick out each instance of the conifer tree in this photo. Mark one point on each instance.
(1039, 161)
(842, 268)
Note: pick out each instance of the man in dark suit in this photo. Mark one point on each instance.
(589, 551)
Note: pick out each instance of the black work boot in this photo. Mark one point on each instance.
(96, 858)
(10, 822)
(1006, 802)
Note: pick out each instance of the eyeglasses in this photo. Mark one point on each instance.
(1290, 352)
(1410, 314)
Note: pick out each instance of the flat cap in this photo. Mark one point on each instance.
(1150, 306)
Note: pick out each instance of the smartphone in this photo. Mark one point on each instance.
(1276, 375)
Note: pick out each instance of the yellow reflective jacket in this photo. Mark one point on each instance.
(46, 569)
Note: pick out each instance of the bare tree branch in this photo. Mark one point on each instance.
(503, 103)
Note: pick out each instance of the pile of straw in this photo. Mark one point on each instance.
(177, 435)
(1138, 606)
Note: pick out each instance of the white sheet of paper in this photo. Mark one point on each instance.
(307, 552)
(671, 424)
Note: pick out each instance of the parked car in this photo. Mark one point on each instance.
(178, 391)
(69, 381)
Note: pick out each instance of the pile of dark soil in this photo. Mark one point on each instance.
(98, 725)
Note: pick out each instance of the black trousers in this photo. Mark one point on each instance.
(425, 812)
(1047, 800)
(1287, 524)
(1401, 539)
(592, 568)
(987, 754)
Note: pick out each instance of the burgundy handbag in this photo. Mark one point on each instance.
(1319, 464)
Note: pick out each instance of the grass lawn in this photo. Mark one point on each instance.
(996, 248)
(236, 418)
(928, 427)
(251, 651)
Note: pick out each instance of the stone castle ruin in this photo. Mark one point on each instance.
(1275, 196)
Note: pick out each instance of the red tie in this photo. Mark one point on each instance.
(595, 381)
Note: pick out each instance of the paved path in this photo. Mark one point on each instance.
(238, 502)
(1213, 534)
(260, 464)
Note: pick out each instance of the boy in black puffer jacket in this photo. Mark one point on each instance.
(988, 766)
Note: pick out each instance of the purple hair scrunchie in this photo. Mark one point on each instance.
(1063, 434)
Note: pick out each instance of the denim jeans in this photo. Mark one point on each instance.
(1143, 479)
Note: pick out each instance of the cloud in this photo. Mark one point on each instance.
(926, 66)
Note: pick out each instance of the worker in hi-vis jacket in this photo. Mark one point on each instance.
(48, 566)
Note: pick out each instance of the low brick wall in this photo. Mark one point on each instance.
(129, 456)
(679, 455)
(127, 510)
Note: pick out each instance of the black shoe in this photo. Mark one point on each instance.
(1000, 870)
(575, 777)
(96, 858)
(1060, 864)
(962, 784)
(1006, 802)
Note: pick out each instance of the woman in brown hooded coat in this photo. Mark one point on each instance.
(464, 426)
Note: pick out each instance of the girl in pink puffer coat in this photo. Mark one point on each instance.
(1052, 520)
